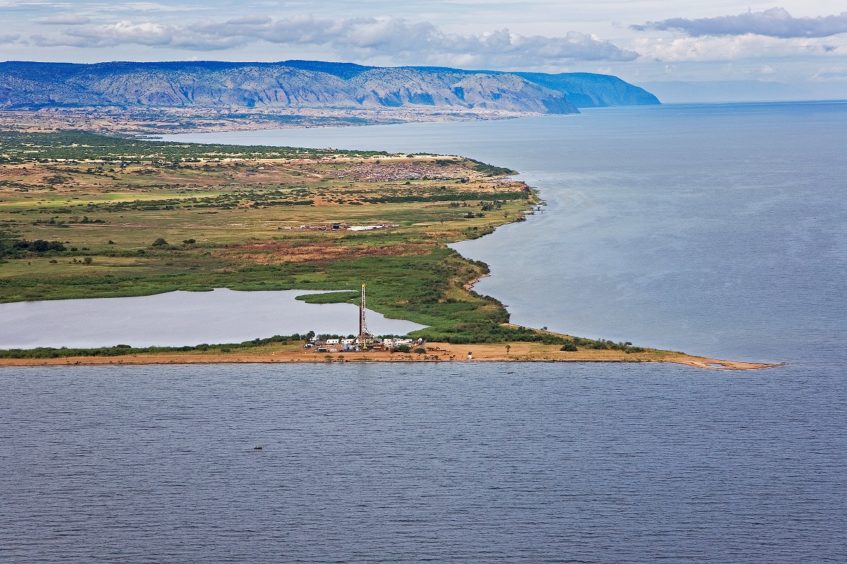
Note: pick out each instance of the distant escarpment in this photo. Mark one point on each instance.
(588, 90)
(293, 85)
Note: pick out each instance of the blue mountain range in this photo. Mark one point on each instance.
(305, 84)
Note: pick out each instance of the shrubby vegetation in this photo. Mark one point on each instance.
(491, 170)
(123, 350)
(455, 197)
(18, 146)
(10, 246)
(571, 344)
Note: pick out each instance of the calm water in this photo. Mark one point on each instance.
(718, 230)
(713, 229)
(180, 318)
(580, 463)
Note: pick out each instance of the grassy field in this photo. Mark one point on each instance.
(86, 216)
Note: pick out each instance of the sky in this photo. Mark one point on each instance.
(792, 49)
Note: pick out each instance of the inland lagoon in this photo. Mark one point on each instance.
(177, 319)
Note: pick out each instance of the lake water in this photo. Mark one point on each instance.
(494, 462)
(712, 229)
(181, 318)
(718, 230)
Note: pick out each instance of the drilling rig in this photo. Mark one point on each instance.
(365, 339)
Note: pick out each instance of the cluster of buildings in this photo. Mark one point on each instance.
(365, 341)
(351, 344)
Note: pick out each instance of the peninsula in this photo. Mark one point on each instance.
(85, 215)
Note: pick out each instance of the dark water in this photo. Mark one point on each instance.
(539, 462)
(713, 229)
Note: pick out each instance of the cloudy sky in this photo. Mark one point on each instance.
(801, 43)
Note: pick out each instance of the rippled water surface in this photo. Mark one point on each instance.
(713, 229)
(590, 463)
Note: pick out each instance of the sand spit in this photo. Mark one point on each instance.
(436, 352)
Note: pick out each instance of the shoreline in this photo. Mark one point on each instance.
(148, 124)
(463, 279)
(517, 352)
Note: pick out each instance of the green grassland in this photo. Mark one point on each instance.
(22, 147)
(122, 217)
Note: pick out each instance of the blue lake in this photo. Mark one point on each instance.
(717, 230)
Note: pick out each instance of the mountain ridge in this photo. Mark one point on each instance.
(304, 84)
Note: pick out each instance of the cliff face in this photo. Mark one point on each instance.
(302, 84)
(279, 85)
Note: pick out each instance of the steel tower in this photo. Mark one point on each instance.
(364, 335)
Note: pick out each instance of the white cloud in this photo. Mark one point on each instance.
(368, 37)
(775, 22)
(65, 19)
(730, 48)
(835, 73)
